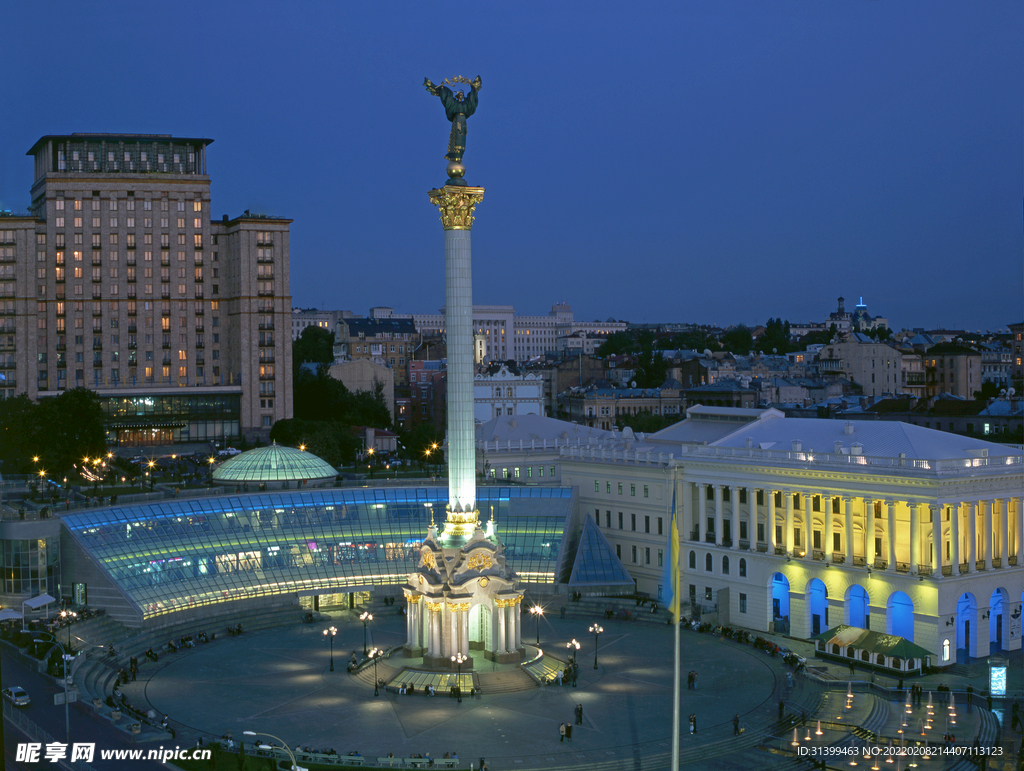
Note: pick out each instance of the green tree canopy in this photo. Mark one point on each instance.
(738, 340)
(60, 431)
(315, 344)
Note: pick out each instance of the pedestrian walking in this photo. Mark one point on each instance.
(579, 714)
(736, 724)
(561, 732)
(568, 732)
(693, 723)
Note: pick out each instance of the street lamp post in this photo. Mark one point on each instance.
(537, 612)
(69, 616)
(284, 744)
(64, 656)
(596, 631)
(457, 659)
(365, 617)
(375, 654)
(329, 634)
(574, 648)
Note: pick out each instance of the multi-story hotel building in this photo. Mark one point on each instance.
(118, 280)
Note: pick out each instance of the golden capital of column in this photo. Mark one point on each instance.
(456, 204)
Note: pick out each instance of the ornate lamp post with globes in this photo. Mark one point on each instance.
(537, 612)
(375, 654)
(365, 617)
(457, 659)
(596, 631)
(329, 634)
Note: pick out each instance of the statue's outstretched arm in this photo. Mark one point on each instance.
(477, 84)
(430, 87)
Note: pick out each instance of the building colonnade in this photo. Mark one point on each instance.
(985, 533)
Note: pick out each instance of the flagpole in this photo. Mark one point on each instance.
(673, 611)
(675, 705)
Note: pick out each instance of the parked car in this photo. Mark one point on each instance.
(229, 452)
(17, 696)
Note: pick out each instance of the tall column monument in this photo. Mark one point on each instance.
(456, 202)
(463, 596)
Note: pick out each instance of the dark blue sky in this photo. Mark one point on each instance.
(717, 162)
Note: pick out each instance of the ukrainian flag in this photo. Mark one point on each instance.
(671, 567)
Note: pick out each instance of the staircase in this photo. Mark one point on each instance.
(509, 681)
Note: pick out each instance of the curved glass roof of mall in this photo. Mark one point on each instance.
(172, 555)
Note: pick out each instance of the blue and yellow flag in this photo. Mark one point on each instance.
(671, 567)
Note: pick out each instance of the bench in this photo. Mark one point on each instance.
(391, 762)
(417, 762)
(447, 762)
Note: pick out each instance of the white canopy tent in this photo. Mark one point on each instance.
(35, 604)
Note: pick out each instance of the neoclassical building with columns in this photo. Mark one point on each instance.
(803, 524)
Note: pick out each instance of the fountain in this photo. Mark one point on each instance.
(818, 732)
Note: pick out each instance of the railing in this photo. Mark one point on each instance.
(780, 551)
(902, 567)
(763, 548)
(838, 559)
(997, 562)
(859, 561)
(744, 544)
(947, 466)
(727, 542)
(947, 570)
(817, 554)
(979, 564)
(695, 535)
(709, 538)
(881, 564)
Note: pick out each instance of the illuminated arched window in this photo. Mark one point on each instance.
(945, 650)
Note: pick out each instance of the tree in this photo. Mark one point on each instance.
(738, 340)
(651, 368)
(315, 344)
(617, 343)
(819, 338)
(647, 423)
(775, 337)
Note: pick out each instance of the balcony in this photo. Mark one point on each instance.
(709, 538)
(200, 345)
(881, 564)
(166, 346)
(132, 329)
(902, 567)
(265, 293)
(924, 570)
(838, 559)
(817, 555)
(266, 360)
(266, 326)
(744, 543)
(266, 377)
(266, 343)
(132, 346)
(97, 346)
(200, 360)
(859, 562)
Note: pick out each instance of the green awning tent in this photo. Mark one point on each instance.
(873, 642)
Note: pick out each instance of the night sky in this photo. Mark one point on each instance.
(717, 162)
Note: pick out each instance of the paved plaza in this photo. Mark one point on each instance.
(279, 682)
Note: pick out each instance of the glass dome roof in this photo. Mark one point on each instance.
(273, 464)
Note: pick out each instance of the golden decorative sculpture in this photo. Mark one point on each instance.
(479, 561)
(428, 559)
(456, 205)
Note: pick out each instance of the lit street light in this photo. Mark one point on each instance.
(596, 631)
(537, 612)
(458, 658)
(65, 657)
(68, 616)
(573, 648)
(365, 617)
(375, 654)
(283, 743)
(329, 633)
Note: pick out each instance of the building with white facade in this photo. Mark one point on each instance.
(504, 335)
(803, 524)
(312, 317)
(507, 393)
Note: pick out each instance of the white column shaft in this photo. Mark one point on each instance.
(915, 537)
(789, 520)
(988, 532)
(826, 501)
(954, 537)
(848, 528)
(702, 508)
(1004, 532)
(869, 532)
(735, 497)
(972, 536)
(769, 524)
(937, 550)
(719, 527)
(890, 536)
(459, 332)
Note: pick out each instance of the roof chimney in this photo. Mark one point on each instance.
(748, 442)
(838, 448)
(797, 444)
(856, 449)
(848, 428)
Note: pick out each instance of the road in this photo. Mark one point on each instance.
(85, 725)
